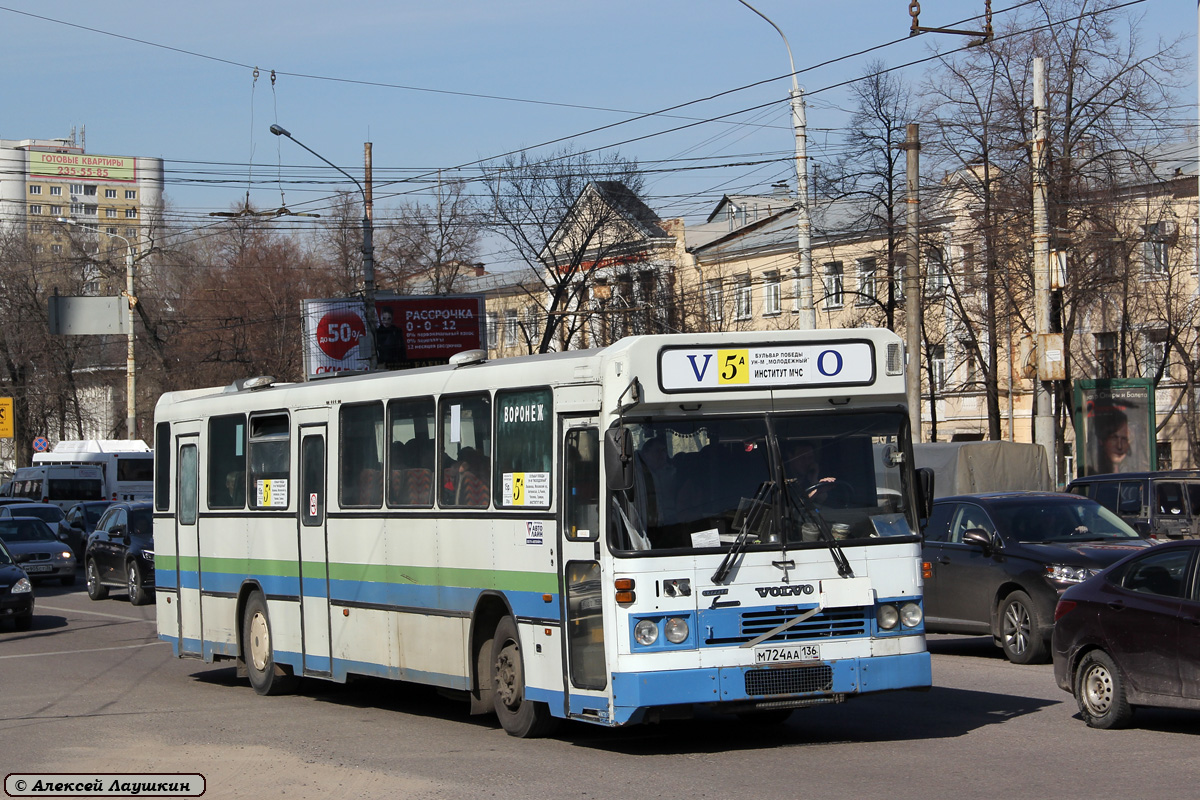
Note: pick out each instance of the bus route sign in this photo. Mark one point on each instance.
(800, 366)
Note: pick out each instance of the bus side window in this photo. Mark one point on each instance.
(410, 452)
(465, 467)
(360, 456)
(582, 501)
(227, 461)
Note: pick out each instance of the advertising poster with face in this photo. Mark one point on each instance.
(1115, 425)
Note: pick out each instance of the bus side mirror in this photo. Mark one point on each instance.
(618, 458)
(924, 492)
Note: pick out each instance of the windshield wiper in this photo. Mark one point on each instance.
(810, 511)
(758, 506)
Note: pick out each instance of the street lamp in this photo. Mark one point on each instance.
(805, 307)
(368, 249)
(131, 300)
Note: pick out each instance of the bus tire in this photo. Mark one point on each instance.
(519, 716)
(138, 596)
(258, 652)
(95, 589)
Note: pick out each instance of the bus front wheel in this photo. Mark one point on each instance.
(519, 716)
(257, 651)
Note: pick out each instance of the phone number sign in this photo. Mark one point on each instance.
(691, 369)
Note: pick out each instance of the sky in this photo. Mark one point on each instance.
(438, 87)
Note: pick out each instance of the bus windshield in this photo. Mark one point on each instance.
(791, 480)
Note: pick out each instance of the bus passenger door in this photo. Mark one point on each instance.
(187, 548)
(582, 579)
(314, 563)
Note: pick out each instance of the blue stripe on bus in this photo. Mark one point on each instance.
(634, 692)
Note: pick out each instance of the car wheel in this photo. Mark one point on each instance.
(258, 651)
(1100, 692)
(95, 589)
(138, 595)
(1020, 636)
(519, 716)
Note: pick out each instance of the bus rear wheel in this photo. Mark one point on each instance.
(266, 677)
(519, 716)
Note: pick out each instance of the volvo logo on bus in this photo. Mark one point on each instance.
(791, 590)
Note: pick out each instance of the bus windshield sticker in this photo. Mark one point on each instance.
(685, 369)
(455, 423)
(272, 493)
(527, 489)
(708, 538)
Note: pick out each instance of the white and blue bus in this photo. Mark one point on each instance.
(672, 523)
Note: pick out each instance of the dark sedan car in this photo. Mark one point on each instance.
(37, 550)
(16, 592)
(1131, 636)
(996, 563)
(80, 521)
(120, 553)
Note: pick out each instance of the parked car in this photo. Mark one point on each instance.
(37, 550)
(120, 553)
(16, 592)
(80, 521)
(1158, 505)
(1128, 637)
(996, 563)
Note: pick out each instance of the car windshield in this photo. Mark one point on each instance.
(44, 513)
(94, 513)
(27, 529)
(778, 479)
(1060, 521)
(140, 521)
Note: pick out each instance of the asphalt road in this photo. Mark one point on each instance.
(90, 689)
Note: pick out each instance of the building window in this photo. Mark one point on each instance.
(1106, 354)
(111, 231)
(742, 299)
(35, 227)
(935, 269)
(130, 194)
(110, 212)
(131, 213)
(35, 209)
(511, 331)
(89, 191)
(715, 299)
(1164, 456)
(1154, 356)
(898, 276)
(56, 249)
(493, 328)
(866, 282)
(37, 248)
(1156, 249)
(938, 362)
(56, 211)
(833, 285)
(56, 191)
(35, 190)
(76, 188)
(110, 194)
(89, 211)
(970, 363)
(130, 233)
(771, 295)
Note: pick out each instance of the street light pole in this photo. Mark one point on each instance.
(130, 361)
(368, 250)
(803, 290)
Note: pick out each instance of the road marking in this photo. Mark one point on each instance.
(74, 652)
(39, 606)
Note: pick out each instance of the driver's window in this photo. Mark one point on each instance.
(118, 521)
(969, 517)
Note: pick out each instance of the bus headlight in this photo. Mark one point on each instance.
(911, 615)
(645, 632)
(677, 630)
(887, 616)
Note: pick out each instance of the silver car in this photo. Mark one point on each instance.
(37, 550)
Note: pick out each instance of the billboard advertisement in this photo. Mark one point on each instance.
(80, 166)
(1114, 425)
(409, 332)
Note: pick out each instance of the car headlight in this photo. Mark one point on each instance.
(66, 554)
(911, 615)
(677, 630)
(887, 616)
(148, 555)
(1065, 573)
(22, 586)
(645, 632)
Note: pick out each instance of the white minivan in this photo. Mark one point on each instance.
(61, 484)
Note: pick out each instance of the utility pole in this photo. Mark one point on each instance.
(369, 258)
(912, 279)
(1043, 422)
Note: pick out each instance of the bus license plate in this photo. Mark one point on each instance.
(784, 654)
(37, 568)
